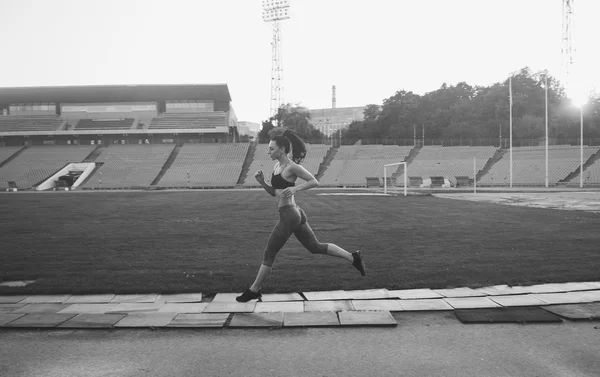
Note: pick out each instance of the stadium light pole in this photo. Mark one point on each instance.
(546, 87)
(275, 11)
(510, 131)
(580, 102)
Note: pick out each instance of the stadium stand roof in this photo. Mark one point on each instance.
(115, 93)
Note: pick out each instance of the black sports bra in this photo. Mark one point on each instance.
(278, 182)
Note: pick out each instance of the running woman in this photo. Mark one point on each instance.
(292, 218)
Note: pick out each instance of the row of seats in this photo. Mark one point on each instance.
(221, 164)
(35, 164)
(129, 165)
(105, 124)
(188, 120)
(206, 165)
(529, 165)
(353, 164)
(448, 162)
(12, 123)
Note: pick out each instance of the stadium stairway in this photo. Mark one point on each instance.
(246, 166)
(495, 158)
(326, 162)
(13, 156)
(411, 156)
(95, 153)
(167, 164)
(573, 177)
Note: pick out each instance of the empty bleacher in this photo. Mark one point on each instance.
(448, 162)
(105, 124)
(591, 175)
(15, 123)
(188, 120)
(353, 164)
(128, 166)
(315, 154)
(7, 152)
(35, 164)
(206, 165)
(529, 166)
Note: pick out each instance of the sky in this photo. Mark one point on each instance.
(367, 49)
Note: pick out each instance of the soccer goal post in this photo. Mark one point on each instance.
(393, 168)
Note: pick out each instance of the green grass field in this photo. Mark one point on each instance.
(212, 241)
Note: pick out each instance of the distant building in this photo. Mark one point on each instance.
(330, 120)
(248, 128)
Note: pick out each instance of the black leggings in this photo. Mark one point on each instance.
(292, 219)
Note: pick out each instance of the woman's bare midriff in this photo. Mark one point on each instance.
(282, 200)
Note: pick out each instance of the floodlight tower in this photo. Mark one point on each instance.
(567, 49)
(276, 11)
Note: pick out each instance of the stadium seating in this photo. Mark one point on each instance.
(12, 123)
(448, 162)
(188, 120)
(105, 124)
(591, 175)
(353, 164)
(37, 163)
(529, 165)
(315, 154)
(207, 165)
(129, 165)
(7, 152)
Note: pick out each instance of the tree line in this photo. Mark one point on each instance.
(461, 111)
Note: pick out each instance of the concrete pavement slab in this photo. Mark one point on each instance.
(85, 320)
(241, 320)
(40, 320)
(9, 317)
(312, 319)
(180, 297)
(45, 299)
(326, 295)
(281, 297)
(199, 320)
(459, 292)
(135, 308)
(230, 307)
(89, 299)
(225, 297)
(471, 302)
(517, 300)
(591, 296)
(9, 308)
(505, 315)
(411, 294)
(371, 318)
(425, 304)
(146, 320)
(393, 305)
(89, 308)
(369, 294)
(41, 308)
(270, 307)
(146, 298)
(184, 307)
(12, 299)
(328, 306)
(563, 298)
(576, 311)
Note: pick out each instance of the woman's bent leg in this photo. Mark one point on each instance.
(307, 238)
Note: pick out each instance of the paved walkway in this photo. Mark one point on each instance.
(501, 303)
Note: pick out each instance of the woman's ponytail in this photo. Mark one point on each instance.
(298, 146)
